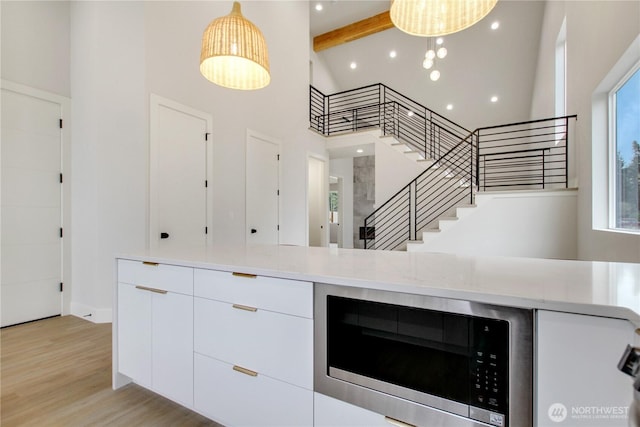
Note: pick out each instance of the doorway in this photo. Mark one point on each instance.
(180, 168)
(34, 145)
(336, 211)
(317, 201)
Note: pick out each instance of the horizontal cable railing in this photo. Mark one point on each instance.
(526, 155)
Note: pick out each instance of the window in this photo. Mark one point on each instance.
(625, 153)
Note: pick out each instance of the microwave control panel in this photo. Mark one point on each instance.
(489, 369)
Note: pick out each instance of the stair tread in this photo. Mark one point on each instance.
(431, 230)
(448, 218)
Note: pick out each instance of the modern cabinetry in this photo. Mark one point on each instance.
(578, 379)
(155, 327)
(253, 349)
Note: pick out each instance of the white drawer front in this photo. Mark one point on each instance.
(237, 399)
(277, 345)
(330, 412)
(280, 295)
(156, 276)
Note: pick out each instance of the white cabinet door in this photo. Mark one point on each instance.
(172, 347)
(578, 380)
(155, 340)
(236, 399)
(134, 333)
(330, 412)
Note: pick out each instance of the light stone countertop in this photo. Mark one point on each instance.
(582, 287)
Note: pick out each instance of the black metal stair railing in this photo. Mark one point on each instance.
(525, 155)
(378, 106)
(443, 186)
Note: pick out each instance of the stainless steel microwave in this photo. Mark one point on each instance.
(424, 360)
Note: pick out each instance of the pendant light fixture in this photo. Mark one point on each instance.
(234, 53)
(432, 18)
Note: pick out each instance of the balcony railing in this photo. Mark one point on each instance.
(377, 106)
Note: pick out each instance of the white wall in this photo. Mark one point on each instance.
(343, 168)
(394, 170)
(598, 33)
(156, 50)
(321, 77)
(35, 44)
(173, 34)
(523, 224)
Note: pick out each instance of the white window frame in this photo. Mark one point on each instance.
(612, 144)
(601, 182)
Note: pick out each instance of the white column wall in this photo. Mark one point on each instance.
(598, 33)
(109, 147)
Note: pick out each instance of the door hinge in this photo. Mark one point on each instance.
(61, 287)
(206, 183)
(278, 227)
(60, 178)
(278, 192)
(60, 123)
(60, 232)
(278, 156)
(206, 230)
(206, 136)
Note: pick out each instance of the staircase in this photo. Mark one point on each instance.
(458, 162)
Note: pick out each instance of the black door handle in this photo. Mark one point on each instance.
(254, 231)
(164, 235)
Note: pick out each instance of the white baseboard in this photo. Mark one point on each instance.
(95, 315)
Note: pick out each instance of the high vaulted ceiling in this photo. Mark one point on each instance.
(480, 63)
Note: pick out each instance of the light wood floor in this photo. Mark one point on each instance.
(57, 372)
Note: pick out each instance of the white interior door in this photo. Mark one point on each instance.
(31, 208)
(317, 202)
(262, 190)
(179, 175)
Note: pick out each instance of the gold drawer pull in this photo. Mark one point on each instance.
(245, 275)
(157, 291)
(245, 371)
(397, 423)
(153, 264)
(245, 308)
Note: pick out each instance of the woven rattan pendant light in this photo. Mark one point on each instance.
(432, 18)
(234, 53)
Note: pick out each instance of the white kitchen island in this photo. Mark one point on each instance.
(239, 348)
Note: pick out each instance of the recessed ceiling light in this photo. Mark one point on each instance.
(495, 25)
(435, 75)
(392, 54)
(359, 150)
(494, 98)
(449, 106)
(353, 65)
(318, 7)
(410, 114)
(439, 40)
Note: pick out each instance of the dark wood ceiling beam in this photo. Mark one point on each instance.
(352, 32)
